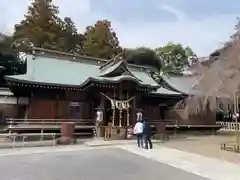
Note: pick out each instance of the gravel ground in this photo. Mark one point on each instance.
(206, 145)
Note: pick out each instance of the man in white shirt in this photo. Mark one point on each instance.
(138, 131)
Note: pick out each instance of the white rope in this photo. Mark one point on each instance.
(118, 103)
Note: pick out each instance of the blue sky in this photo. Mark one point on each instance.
(200, 24)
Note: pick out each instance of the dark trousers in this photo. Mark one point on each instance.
(139, 140)
(147, 140)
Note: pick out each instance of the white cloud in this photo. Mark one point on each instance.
(203, 36)
(181, 16)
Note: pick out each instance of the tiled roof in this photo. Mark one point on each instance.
(182, 84)
(164, 91)
(48, 70)
(108, 69)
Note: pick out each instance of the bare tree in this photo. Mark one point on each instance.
(219, 82)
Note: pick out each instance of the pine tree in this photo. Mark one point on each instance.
(71, 40)
(41, 25)
(101, 41)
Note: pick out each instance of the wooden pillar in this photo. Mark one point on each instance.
(114, 109)
(120, 106)
(26, 113)
(101, 106)
(57, 107)
(133, 114)
(28, 109)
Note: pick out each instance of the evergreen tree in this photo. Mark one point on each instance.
(41, 25)
(10, 63)
(101, 41)
(71, 40)
(143, 56)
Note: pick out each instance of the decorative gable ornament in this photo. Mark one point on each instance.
(22, 56)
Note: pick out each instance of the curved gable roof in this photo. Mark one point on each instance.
(182, 84)
(43, 69)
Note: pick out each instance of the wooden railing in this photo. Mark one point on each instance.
(15, 125)
(48, 121)
(42, 124)
(229, 126)
(168, 122)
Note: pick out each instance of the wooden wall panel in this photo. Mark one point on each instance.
(151, 112)
(63, 109)
(42, 109)
(9, 110)
(76, 96)
(59, 108)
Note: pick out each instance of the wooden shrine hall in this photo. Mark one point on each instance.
(66, 86)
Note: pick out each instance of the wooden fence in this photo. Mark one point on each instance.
(229, 126)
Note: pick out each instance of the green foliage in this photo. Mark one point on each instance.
(71, 40)
(143, 56)
(101, 41)
(44, 28)
(9, 62)
(41, 25)
(12, 65)
(174, 57)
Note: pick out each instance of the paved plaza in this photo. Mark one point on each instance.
(186, 158)
(92, 164)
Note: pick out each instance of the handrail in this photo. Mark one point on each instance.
(11, 122)
(47, 121)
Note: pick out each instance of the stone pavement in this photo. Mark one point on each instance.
(164, 157)
(100, 142)
(210, 168)
(48, 149)
(88, 164)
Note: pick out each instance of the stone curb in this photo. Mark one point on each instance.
(115, 143)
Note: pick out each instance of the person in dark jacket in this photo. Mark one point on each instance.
(147, 134)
